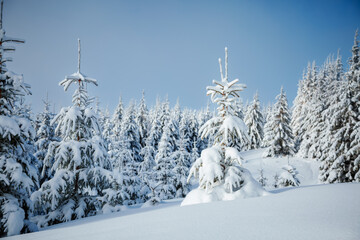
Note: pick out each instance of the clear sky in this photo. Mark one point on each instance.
(172, 47)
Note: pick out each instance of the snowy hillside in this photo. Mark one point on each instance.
(307, 212)
(315, 212)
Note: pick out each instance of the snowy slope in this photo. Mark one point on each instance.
(315, 212)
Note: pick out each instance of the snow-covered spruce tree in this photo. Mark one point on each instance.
(184, 129)
(306, 127)
(130, 132)
(342, 163)
(287, 178)
(18, 177)
(193, 127)
(79, 162)
(309, 111)
(164, 114)
(276, 180)
(106, 126)
(155, 130)
(142, 120)
(255, 123)
(262, 179)
(298, 113)
(117, 117)
(317, 119)
(239, 112)
(182, 160)
(114, 127)
(164, 168)
(334, 85)
(219, 167)
(128, 157)
(282, 143)
(204, 116)
(146, 173)
(45, 135)
(268, 133)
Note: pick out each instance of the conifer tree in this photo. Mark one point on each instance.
(18, 177)
(128, 156)
(117, 118)
(130, 134)
(220, 164)
(268, 133)
(262, 179)
(288, 177)
(182, 160)
(155, 130)
(79, 162)
(255, 123)
(298, 113)
(282, 143)
(310, 88)
(164, 166)
(341, 162)
(45, 135)
(142, 120)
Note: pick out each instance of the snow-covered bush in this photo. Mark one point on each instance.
(262, 179)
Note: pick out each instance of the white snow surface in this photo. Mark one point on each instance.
(305, 212)
(316, 212)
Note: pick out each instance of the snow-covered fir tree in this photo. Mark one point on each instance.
(45, 135)
(341, 162)
(18, 177)
(79, 162)
(317, 120)
(142, 120)
(128, 157)
(164, 168)
(288, 177)
(204, 116)
(117, 117)
(255, 123)
(155, 130)
(268, 134)
(182, 160)
(107, 126)
(311, 94)
(130, 133)
(146, 173)
(298, 113)
(229, 129)
(221, 164)
(282, 143)
(262, 179)
(113, 131)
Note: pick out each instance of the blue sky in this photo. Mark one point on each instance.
(171, 47)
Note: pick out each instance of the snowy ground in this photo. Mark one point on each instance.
(307, 212)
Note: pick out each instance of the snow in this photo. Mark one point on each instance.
(314, 212)
(8, 126)
(308, 169)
